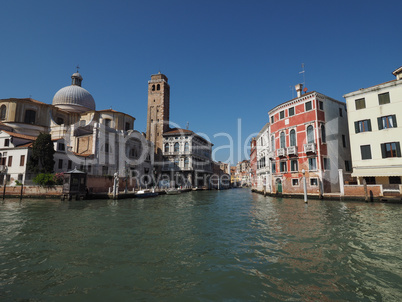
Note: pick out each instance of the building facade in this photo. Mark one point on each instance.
(253, 162)
(309, 134)
(375, 123)
(263, 159)
(100, 142)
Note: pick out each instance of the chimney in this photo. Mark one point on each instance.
(299, 89)
(398, 73)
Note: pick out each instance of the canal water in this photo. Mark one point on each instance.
(230, 245)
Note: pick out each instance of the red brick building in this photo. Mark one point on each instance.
(309, 133)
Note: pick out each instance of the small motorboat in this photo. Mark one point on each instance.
(172, 191)
(145, 194)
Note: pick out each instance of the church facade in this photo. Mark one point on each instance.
(99, 142)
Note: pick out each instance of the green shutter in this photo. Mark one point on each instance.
(357, 127)
(369, 125)
(398, 149)
(379, 120)
(394, 120)
(383, 151)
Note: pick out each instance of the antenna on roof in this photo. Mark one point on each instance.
(188, 124)
(303, 71)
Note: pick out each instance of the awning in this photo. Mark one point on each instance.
(377, 172)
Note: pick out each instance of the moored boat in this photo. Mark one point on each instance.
(172, 191)
(145, 194)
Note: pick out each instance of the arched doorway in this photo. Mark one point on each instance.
(278, 185)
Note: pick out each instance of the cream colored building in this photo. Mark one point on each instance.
(100, 142)
(375, 124)
(263, 163)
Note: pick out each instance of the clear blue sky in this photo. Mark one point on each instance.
(225, 60)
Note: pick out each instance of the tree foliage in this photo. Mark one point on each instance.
(41, 160)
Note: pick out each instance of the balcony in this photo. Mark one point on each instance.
(309, 148)
(281, 152)
(292, 150)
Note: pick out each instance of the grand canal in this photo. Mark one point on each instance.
(200, 246)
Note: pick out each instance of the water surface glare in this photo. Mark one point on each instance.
(200, 246)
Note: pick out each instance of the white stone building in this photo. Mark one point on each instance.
(375, 123)
(263, 162)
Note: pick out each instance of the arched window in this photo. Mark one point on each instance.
(153, 87)
(176, 161)
(186, 162)
(323, 135)
(282, 139)
(59, 120)
(30, 116)
(166, 147)
(158, 87)
(176, 147)
(186, 147)
(292, 136)
(310, 134)
(3, 111)
(273, 143)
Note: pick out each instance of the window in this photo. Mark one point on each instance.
(292, 135)
(272, 143)
(365, 151)
(308, 106)
(69, 165)
(186, 147)
(294, 165)
(60, 164)
(312, 164)
(347, 166)
(22, 160)
(282, 166)
(340, 112)
(153, 88)
(176, 147)
(385, 122)
(3, 112)
(291, 111)
(6, 142)
(273, 167)
(295, 182)
(158, 87)
(30, 116)
(61, 147)
(321, 105)
(362, 126)
(106, 147)
(383, 98)
(272, 119)
(395, 180)
(310, 134)
(282, 114)
(59, 120)
(166, 147)
(108, 122)
(344, 140)
(391, 150)
(313, 182)
(186, 163)
(370, 180)
(283, 140)
(127, 127)
(20, 176)
(327, 163)
(360, 103)
(176, 161)
(323, 134)
(10, 161)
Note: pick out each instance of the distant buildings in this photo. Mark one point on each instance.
(375, 123)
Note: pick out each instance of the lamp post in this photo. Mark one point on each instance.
(304, 185)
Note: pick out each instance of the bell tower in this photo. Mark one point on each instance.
(158, 112)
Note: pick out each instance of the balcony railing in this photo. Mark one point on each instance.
(309, 148)
(292, 150)
(281, 152)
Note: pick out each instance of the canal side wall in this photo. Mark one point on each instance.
(101, 184)
(31, 191)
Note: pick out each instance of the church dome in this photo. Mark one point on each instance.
(74, 98)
